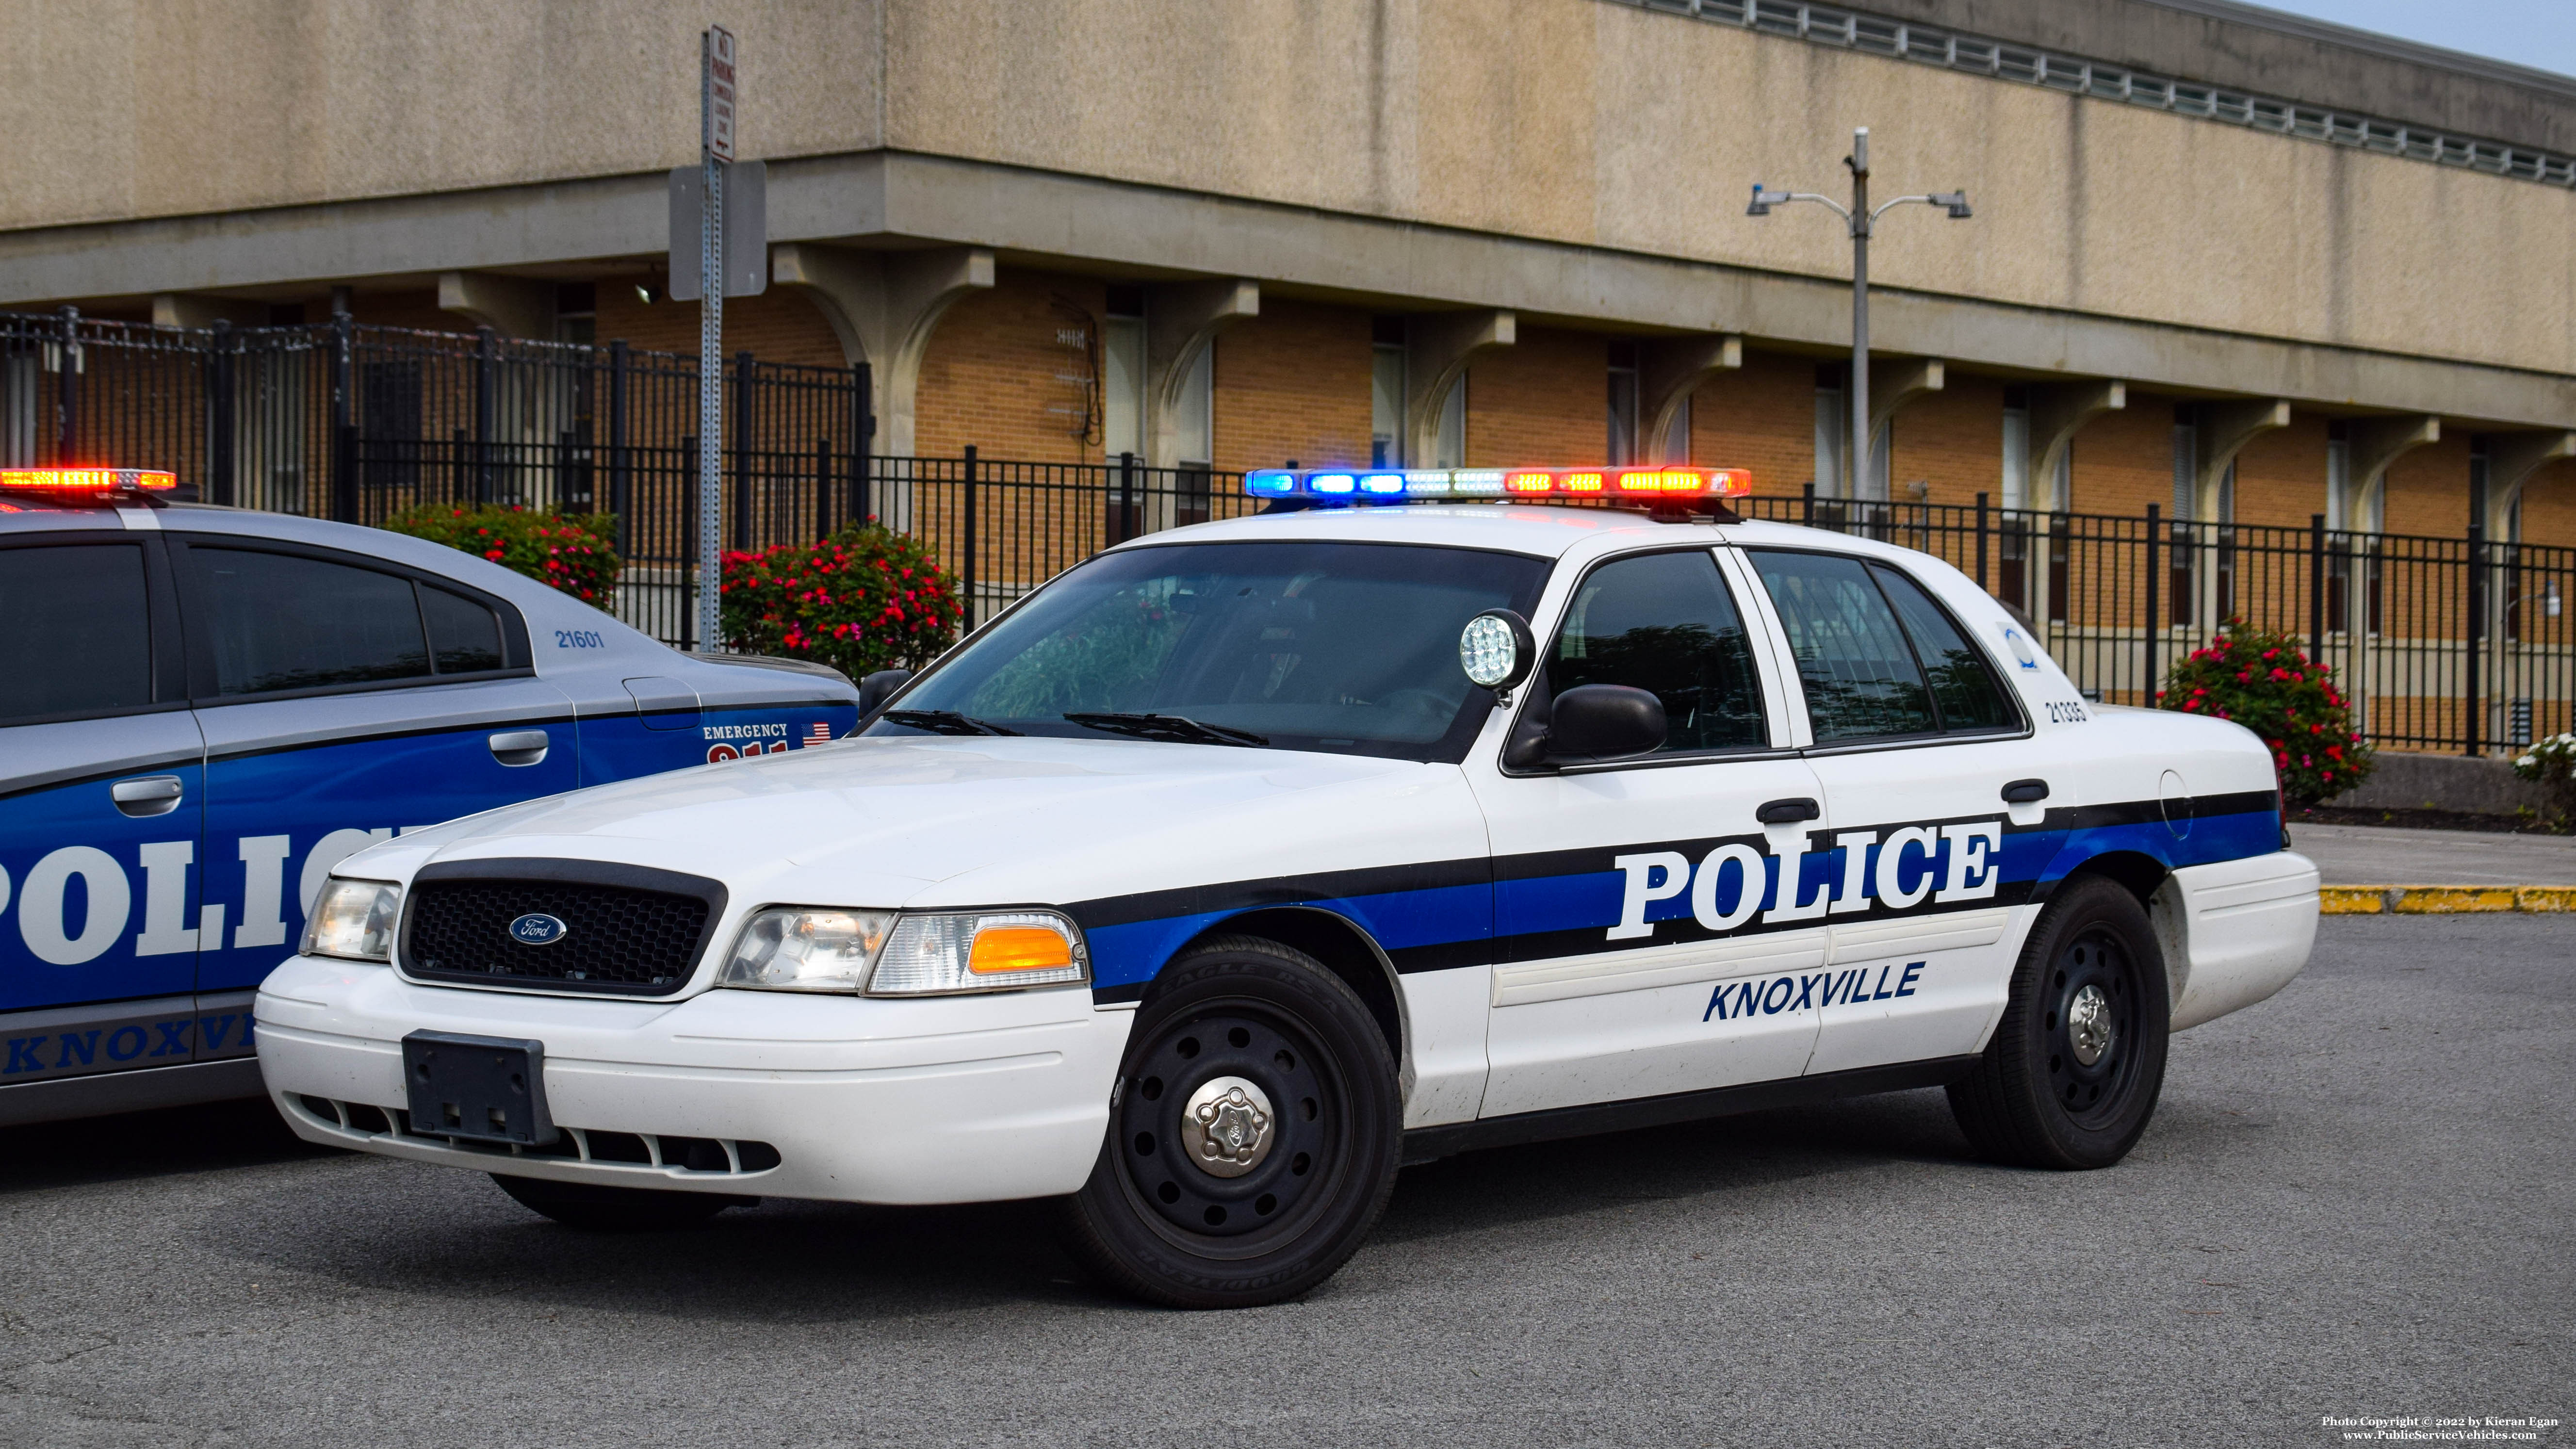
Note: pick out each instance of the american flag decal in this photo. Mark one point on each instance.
(820, 734)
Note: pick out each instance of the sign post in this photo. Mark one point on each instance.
(716, 98)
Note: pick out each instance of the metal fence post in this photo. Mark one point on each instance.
(2473, 635)
(67, 391)
(344, 428)
(1981, 542)
(742, 367)
(967, 572)
(2155, 592)
(486, 361)
(619, 464)
(1807, 505)
(863, 429)
(2316, 588)
(822, 485)
(1126, 498)
(220, 415)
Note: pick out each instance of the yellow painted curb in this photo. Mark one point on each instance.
(2352, 900)
(2443, 900)
(2452, 900)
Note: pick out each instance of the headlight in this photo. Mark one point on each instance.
(881, 953)
(354, 919)
(805, 948)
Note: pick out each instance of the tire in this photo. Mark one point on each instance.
(2032, 1100)
(1321, 1127)
(594, 1208)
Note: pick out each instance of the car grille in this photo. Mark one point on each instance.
(618, 939)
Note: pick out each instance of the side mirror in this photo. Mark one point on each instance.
(1604, 722)
(875, 689)
(1497, 651)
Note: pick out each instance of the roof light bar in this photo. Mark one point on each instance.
(86, 480)
(1412, 483)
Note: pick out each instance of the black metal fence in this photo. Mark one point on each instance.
(2443, 643)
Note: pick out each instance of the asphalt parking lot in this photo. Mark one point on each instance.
(2358, 1198)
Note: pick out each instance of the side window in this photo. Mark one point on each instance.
(1664, 623)
(78, 637)
(1964, 689)
(284, 621)
(464, 636)
(1860, 675)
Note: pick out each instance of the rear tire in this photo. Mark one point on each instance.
(2072, 1075)
(1254, 1134)
(594, 1208)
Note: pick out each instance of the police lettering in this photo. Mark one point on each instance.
(1900, 871)
(1736, 1000)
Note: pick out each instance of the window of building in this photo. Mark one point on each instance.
(78, 641)
(1449, 443)
(1677, 435)
(2016, 479)
(1194, 412)
(1622, 444)
(1386, 392)
(2186, 461)
(1122, 373)
(1833, 432)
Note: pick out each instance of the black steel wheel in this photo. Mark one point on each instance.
(1253, 1136)
(596, 1208)
(2072, 1075)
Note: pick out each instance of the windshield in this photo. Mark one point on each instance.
(1344, 647)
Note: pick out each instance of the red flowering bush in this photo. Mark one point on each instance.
(2259, 679)
(867, 598)
(573, 552)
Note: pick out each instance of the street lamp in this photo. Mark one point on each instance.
(1862, 220)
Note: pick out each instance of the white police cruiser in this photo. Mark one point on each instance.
(1248, 861)
(203, 709)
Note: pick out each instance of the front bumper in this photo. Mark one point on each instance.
(942, 1099)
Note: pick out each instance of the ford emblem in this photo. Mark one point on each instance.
(538, 929)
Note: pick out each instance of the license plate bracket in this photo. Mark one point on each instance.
(477, 1088)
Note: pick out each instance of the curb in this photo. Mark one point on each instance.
(2441, 900)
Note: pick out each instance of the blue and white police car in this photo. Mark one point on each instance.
(203, 709)
(1248, 861)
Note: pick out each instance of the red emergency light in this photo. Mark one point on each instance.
(86, 481)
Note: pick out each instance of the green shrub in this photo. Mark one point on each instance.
(575, 553)
(2259, 679)
(865, 599)
(2552, 765)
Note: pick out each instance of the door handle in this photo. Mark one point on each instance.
(146, 797)
(2025, 792)
(520, 747)
(1787, 812)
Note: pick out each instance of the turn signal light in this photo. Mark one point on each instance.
(1019, 948)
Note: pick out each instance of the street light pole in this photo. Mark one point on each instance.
(1862, 219)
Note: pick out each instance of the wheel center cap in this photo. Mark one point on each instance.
(2088, 1025)
(1226, 1126)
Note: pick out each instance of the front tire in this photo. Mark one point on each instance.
(1253, 1137)
(595, 1208)
(2072, 1075)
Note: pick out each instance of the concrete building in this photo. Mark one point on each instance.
(2235, 263)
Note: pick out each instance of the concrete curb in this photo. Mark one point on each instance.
(2443, 900)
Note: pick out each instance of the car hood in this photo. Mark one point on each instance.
(923, 822)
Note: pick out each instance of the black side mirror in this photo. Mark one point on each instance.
(875, 689)
(1604, 722)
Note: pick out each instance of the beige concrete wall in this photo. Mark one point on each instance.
(1574, 121)
(118, 109)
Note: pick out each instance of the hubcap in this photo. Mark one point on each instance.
(1226, 1126)
(2091, 992)
(2088, 1024)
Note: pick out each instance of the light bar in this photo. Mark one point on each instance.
(1388, 485)
(86, 480)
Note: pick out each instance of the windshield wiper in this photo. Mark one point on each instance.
(944, 722)
(1170, 728)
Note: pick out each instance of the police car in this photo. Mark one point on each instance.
(1248, 861)
(203, 709)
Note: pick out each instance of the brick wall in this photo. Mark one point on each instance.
(1761, 416)
(2427, 490)
(1544, 400)
(1294, 383)
(2281, 475)
(2123, 460)
(994, 372)
(1952, 442)
(2549, 505)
